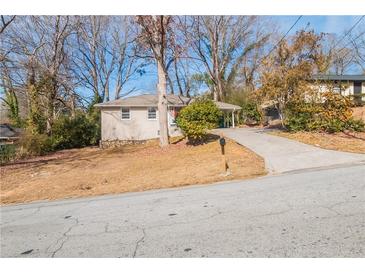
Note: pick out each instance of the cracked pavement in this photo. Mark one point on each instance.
(308, 213)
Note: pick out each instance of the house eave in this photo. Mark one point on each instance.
(128, 106)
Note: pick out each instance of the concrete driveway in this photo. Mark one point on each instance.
(284, 155)
(300, 214)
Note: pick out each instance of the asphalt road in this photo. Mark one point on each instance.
(309, 213)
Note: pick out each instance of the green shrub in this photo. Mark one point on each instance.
(333, 114)
(74, 132)
(355, 125)
(297, 121)
(94, 117)
(197, 118)
(252, 113)
(7, 153)
(35, 144)
(67, 132)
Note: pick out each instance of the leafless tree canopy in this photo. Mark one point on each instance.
(60, 63)
(56, 64)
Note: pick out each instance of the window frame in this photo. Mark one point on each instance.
(148, 113)
(121, 113)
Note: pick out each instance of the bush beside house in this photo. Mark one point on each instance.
(197, 118)
(75, 132)
(332, 114)
(80, 130)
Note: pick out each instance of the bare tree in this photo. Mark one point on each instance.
(104, 57)
(339, 57)
(94, 60)
(157, 34)
(221, 43)
(5, 22)
(37, 62)
(127, 64)
(358, 45)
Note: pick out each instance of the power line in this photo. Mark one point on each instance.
(282, 38)
(348, 52)
(348, 43)
(347, 33)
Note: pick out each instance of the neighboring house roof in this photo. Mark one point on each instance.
(331, 77)
(151, 100)
(8, 132)
(145, 100)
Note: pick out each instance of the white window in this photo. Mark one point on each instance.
(152, 113)
(126, 114)
(337, 89)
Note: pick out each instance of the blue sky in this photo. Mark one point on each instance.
(327, 24)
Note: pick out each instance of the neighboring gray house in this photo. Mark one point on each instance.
(9, 134)
(136, 118)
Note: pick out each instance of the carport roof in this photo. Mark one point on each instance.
(226, 106)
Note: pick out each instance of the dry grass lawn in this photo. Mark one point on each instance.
(92, 171)
(359, 113)
(349, 142)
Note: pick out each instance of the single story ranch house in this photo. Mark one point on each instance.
(346, 85)
(136, 118)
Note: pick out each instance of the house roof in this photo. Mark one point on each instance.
(145, 100)
(332, 77)
(8, 132)
(151, 100)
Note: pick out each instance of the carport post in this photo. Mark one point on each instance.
(233, 119)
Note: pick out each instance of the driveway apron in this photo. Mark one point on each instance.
(285, 155)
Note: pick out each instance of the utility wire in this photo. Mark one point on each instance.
(282, 38)
(352, 40)
(348, 43)
(347, 33)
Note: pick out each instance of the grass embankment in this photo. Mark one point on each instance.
(92, 171)
(348, 142)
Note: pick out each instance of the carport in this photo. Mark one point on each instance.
(230, 113)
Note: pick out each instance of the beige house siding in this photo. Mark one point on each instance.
(349, 90)
(138, 127)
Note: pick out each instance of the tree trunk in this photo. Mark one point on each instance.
(170, 84)
(162, 105)
(215, 94)
(72, 106)
(106, 92)
(181, 92)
